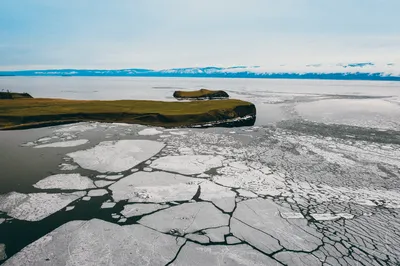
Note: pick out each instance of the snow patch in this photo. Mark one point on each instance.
(149, 132)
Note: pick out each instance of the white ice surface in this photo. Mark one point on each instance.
(187, 164)
(79, 127)
(2, 220)
(186, 218)
(35, 206)
(292, 215)
(197, 255)
(221, 196)
(140, 209)
(97, 192)
(250, 179)
(67, 167)
(3, 254)
(64, 144)
(258, 222)
(107, 205)
(103, 183)
(110, 177)
(331, 216)
(154, 187)
(116, 156)
(69, 208)
(149, 132)
(97, 242)
(65, 182)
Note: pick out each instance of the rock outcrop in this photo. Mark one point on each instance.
(7, 95)
(202, 94)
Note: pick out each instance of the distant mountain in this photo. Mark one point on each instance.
(348, 71)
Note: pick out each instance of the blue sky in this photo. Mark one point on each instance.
(39, 34)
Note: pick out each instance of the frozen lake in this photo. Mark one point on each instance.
(315, 182)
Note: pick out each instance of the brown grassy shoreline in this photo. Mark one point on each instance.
(40, 112)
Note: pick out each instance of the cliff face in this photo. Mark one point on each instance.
(202, 94)
(13, 95)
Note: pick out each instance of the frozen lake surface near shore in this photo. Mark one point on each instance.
(315, 182)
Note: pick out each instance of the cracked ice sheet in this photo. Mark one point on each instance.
(154, 187)
(222, 197)
(97, 242)
(116, 156)
(187, 164)
(331, 216)
(65, 182)
(186, 218)
(149, 132)
(97, 192)
(64, 144)
(198, 255)
(141, 209)
(35, 206)
(258, 222)
(253, 180)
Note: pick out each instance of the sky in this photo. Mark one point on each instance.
(158, 34)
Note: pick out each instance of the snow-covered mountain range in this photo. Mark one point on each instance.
(348, 71)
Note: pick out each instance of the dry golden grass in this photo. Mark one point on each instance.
(23, 112)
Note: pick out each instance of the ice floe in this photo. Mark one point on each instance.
(222, 197)
(69, 208)
(79, 127)
(65, 182)
(331, 216)
(64, 144)
(258, 222)
(187, 164)
(186, 218)
(197, 255)
(141, 209)
(108, 205)
(103, 183)
(3, 254)
(116, 156)
(97, 242)
(253, 180)
(97, 192)
(149, 132)
(67, 167)
(35, 206)
(2, 220)
(154, 187)
(292, 215)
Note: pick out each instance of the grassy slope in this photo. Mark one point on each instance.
(22, 112)
(200, 93)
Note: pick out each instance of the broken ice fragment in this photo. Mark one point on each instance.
(154, 187)
(64, 144)
(141, 209)
(292, 215)
(107, 205)
(187, 164)
(3, 255)
(197, 255)
(65, 182)
(35, 206)
(188, 218)
(96, 242)
(116, 156)
(149, 132)
(97, 192)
